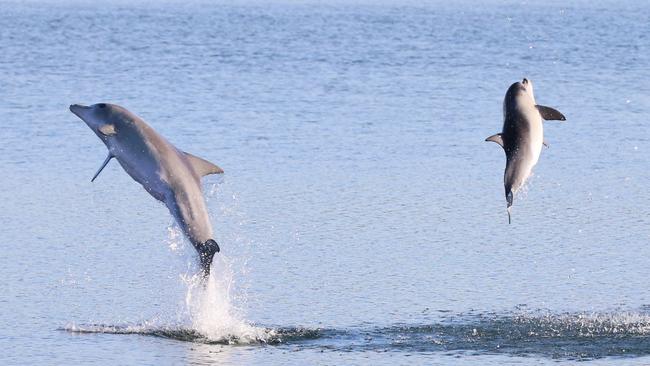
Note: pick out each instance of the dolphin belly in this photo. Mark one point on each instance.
(146, 175)
(535, 138)
(524, 155)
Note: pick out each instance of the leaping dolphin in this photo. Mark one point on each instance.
(167, 173)
(522, 136)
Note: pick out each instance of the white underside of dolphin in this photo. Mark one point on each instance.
(167, 173)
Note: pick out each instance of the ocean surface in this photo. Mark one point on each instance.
(361, 215)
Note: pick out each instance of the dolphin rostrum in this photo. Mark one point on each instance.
(522, 136)
(167, 173)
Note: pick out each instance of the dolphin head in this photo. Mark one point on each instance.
(528, 85)
(104, 119)
(519, 93)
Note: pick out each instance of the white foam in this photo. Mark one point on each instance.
(211, 309)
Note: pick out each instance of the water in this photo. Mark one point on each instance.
(361, 217)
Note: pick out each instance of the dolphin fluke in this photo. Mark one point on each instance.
(509, 198)
(207, 251)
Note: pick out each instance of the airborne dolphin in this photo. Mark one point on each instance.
(167, 173)
(522, 136)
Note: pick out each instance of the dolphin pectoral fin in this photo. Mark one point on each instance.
(550, 114)
(108, 158)
(207, 251)
(496, 138)
(202, 167)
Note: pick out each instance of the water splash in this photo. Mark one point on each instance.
(175, 237)
(208, 314)
(211, 308)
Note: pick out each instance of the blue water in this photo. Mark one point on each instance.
(361, 216)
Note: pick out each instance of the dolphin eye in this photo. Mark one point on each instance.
(101, 105)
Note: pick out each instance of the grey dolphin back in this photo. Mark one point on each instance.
(202, 167)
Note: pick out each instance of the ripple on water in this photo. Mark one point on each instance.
(574, 336)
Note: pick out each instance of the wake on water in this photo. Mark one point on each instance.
(575, 336)
(211, 316)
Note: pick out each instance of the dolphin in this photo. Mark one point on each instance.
(167, 173)
(522, 136)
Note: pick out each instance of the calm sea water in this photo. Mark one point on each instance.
(361, 217)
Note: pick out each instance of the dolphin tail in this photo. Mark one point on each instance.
(207, 251)
(509, 198)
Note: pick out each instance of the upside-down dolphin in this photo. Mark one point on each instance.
(167, 173)
(522, 136)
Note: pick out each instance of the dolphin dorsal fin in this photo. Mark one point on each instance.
(202, 167)
(496, 138)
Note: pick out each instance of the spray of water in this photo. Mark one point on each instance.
(211, 308)
(213, 305)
